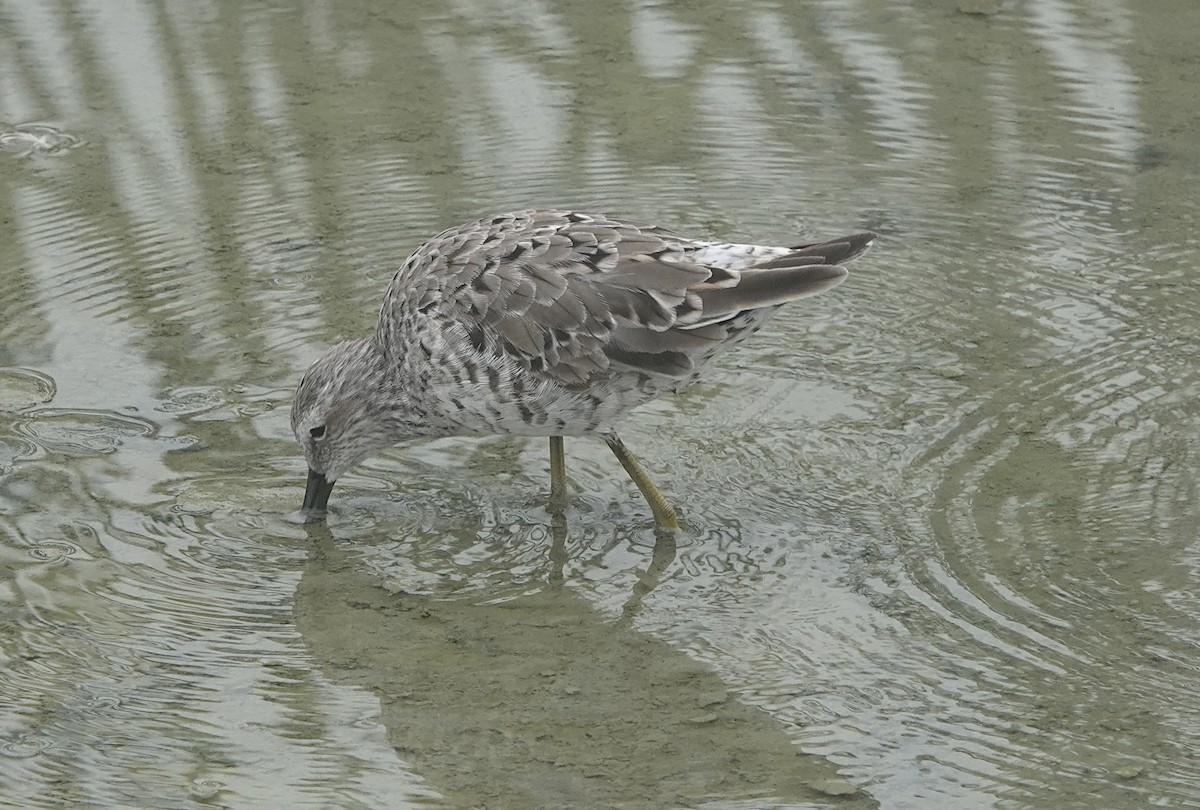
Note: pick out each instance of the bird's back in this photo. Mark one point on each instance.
(558, 311)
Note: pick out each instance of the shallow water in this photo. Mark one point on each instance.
(940, 544)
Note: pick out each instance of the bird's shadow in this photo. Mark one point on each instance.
(543, 701)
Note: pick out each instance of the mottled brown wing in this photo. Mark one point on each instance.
(570, 294)
(735, 301)
(551, 288)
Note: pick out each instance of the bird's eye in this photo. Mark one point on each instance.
(318, 432)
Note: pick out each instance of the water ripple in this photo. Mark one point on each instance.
(1042, 497)
(54, 551)
(81, 431)
(939, 524)
(25, 140)
(22, 388)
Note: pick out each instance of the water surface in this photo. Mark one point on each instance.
(940, 545)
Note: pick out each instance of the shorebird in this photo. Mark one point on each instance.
(544, 323)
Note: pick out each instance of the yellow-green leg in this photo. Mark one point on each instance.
(664, 513)
(558, 475)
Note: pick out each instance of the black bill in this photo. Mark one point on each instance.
(316, 494)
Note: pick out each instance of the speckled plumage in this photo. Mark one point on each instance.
(544, 323)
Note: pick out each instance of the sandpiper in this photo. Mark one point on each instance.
(544, 323)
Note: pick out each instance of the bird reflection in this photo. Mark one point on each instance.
(542, 700)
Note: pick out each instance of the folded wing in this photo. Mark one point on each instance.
(573, 296)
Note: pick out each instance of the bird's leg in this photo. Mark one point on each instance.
(664, 513)
(558, 476)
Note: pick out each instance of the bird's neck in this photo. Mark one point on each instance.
(408, 367)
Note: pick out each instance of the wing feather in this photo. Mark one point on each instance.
(572, 296)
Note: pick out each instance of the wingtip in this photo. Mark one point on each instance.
(834, 251)
(859, 242)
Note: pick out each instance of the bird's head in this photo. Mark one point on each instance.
(340, 416)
